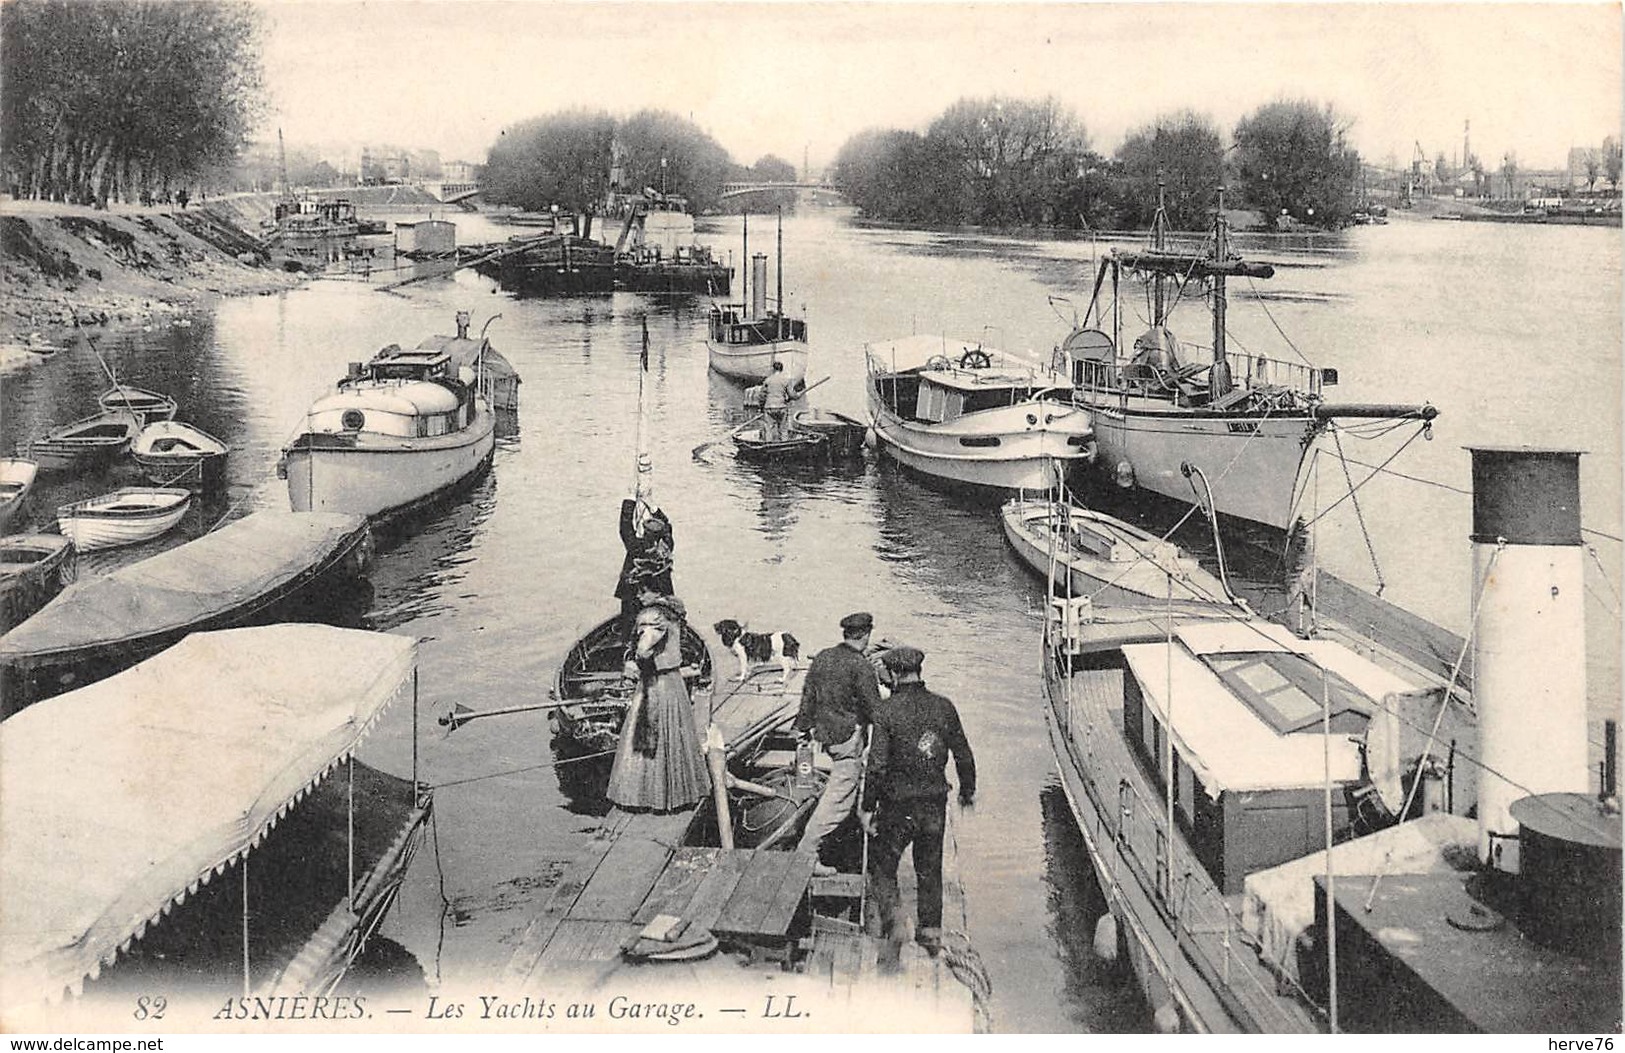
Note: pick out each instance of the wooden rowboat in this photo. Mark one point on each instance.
(16, 480)
(1114, 563)
(591, 677)
(842, 435)
(124, 517)
(85, 444)
(174, 454)
(33, 569)
(147, 405)
(752, 444)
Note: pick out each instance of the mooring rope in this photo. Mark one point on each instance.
(519, 771)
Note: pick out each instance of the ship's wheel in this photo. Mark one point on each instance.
(975, 358)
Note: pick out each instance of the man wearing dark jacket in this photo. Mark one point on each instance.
(838, 700)
(914, 733)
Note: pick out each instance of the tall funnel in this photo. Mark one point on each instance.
(758, 285)
(1529, 644)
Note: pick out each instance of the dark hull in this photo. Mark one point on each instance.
(674, 278)
(590, 675)
(29, 679)
(801, 447)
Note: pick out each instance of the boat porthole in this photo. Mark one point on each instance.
(353, 419)
(1049, 418)
(1032, 418)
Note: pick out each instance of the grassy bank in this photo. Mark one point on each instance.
(63, 265)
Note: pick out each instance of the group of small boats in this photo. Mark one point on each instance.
(169, 658)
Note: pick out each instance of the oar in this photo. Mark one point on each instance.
(462, 714)
(704, 447)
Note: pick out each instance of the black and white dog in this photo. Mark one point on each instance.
(757, 648)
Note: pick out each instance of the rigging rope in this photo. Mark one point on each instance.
(1444, 706)
(1322, 514)
(1337, 438)
(1267, 314)
(518, 771)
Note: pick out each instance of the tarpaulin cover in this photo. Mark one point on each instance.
(118, 799)
(1226, 744)
(184, 585)
(1280, 902)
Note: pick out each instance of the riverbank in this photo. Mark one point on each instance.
(64, 266)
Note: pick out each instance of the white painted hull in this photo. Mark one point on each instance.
(383, 475)
(91, 532)
(1026, 458)
(1251, 462)
(752, 364)
(1143, 583)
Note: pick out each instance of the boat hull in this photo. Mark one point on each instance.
(16, 483)
(383, 477)
(91, 528)
(590, 677)
(33, 569)
(997, 448)
(1251, 461)
(274, 562)
(206, 471)
(753, 364)
(1142, 583)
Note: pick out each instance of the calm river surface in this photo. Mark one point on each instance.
(1513, 332)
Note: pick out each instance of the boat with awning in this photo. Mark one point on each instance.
(245, 571)
(123, 799)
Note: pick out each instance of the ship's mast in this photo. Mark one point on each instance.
(1159, 239)
(1221, 253)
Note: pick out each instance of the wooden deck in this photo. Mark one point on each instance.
(757, 904)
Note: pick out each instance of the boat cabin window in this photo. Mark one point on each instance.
(938, 404)
(1285, 690)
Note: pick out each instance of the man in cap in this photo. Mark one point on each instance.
(913, 735)
(838, 701)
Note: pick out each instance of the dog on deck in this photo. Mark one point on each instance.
(754, 649)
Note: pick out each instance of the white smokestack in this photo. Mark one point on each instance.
(1529, 645)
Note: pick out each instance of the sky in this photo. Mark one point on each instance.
(788, 78)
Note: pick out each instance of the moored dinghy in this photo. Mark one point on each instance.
(16, 480)
(1115, 564)
(592, 680)
(148, 406)
(85, 444)
(33, 569)
(126, 516)
(753, 443)
(175, 454)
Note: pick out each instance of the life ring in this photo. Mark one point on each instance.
(938, 362)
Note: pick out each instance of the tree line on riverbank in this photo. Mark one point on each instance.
(1018, 162)
(124, 100)
(566, 159)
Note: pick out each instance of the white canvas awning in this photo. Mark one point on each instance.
(119, 799)
(1226, 744)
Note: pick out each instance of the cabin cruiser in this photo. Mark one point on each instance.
(398, 433)
(972, 414)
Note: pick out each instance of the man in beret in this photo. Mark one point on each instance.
(914, 734)
(838, 700)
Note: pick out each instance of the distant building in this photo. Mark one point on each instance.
(1586, 168)
(380, 169)
(428, 236)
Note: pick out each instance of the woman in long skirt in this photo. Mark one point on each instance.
(658, 763)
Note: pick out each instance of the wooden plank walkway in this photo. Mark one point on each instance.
(635, 868)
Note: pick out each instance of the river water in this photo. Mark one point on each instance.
(1513, 332)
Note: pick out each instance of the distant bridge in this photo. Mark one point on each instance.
(741, 189)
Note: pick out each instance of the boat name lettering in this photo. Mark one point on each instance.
(296, 1007)
(1242, 427)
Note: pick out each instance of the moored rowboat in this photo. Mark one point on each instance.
(126, 516)
(591, 676)
(86, 443)
(16, 480)
(174, 454)
(1115, 564)
(146, 405)
(33, 569)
